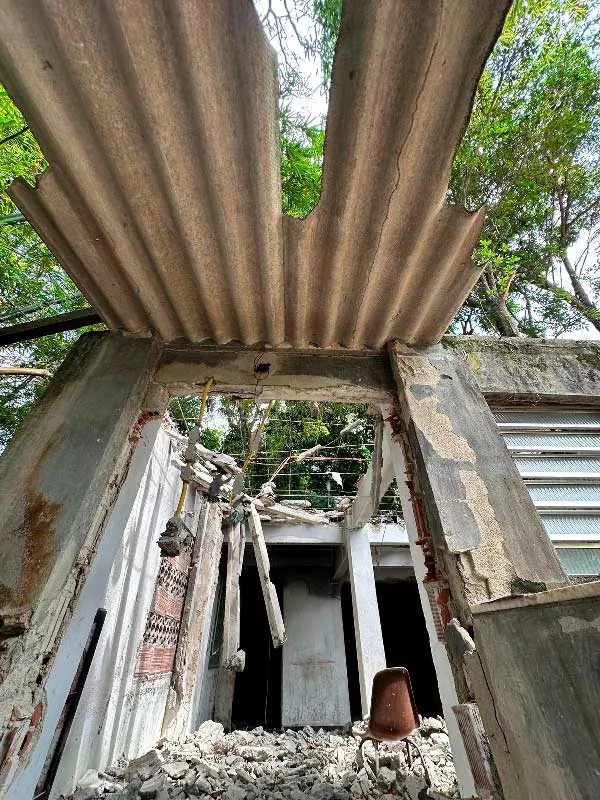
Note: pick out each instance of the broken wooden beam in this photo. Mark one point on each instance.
(372, 486)
(296, 514)
(232, 658)
(274, 615)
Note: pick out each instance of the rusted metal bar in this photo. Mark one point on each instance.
(72, 320)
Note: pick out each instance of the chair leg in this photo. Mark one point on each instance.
(363, 759)
(408, 755)
(418, 749)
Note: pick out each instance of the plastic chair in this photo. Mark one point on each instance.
(394, 716)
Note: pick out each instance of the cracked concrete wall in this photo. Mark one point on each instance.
(516, 371)
(481, 536)
(481, 518)
(545, 648)
(60, 477)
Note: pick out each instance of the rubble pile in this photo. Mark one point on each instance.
(293, 765)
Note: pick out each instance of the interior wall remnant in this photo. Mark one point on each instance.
(60, 477)
(122, 705)
(315, 681)
(546, 648)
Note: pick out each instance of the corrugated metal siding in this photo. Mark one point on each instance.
(569, 469)
(544, 420)
(162, 200)
(580, 560)
(562, 479)
(565, 494)
(553, 442)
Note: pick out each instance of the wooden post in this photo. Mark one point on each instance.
(367, 625)
(269, 592)
(232, 658)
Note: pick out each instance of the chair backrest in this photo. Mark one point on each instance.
(393, 711)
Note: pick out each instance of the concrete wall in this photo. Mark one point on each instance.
(116, 715)
(315, 681)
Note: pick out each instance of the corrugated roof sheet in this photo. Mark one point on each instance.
(162, 199)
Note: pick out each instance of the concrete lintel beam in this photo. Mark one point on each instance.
(384, 535)
(517, 371)
(320, 375)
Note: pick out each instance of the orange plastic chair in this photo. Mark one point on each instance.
(394, 716)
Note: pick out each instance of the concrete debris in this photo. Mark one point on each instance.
(293, 765)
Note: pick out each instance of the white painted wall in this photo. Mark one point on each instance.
(315, 680)
(117, 714)
(114, 715)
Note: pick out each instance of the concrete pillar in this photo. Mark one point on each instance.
(59, 478)
(478, 529)
(314, 679)
(367, 625)
(443, 670)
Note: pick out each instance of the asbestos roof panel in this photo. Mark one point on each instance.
(163, 197)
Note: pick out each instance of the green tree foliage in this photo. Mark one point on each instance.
(301, 164)
(33, 282)
(531, 156)
(292, 428)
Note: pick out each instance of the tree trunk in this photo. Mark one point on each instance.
(495, 308)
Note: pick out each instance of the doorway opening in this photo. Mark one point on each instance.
(405, 640)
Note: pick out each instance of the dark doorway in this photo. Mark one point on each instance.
(257, 696)
(351, 657)
(406, 641)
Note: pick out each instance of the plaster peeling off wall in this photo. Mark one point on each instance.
(116, 715)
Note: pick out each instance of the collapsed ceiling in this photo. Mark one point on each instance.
(163, 195)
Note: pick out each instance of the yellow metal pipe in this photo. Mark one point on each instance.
(184, 486)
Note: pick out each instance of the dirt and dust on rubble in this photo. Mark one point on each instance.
(293, 765)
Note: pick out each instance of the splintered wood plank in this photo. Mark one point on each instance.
(231, 621)
(373, 485)
(231, 656)
(296, 514)
(269, 592)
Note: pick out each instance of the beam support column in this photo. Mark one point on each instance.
(367, 625)
(393, 455)
(480, 535)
